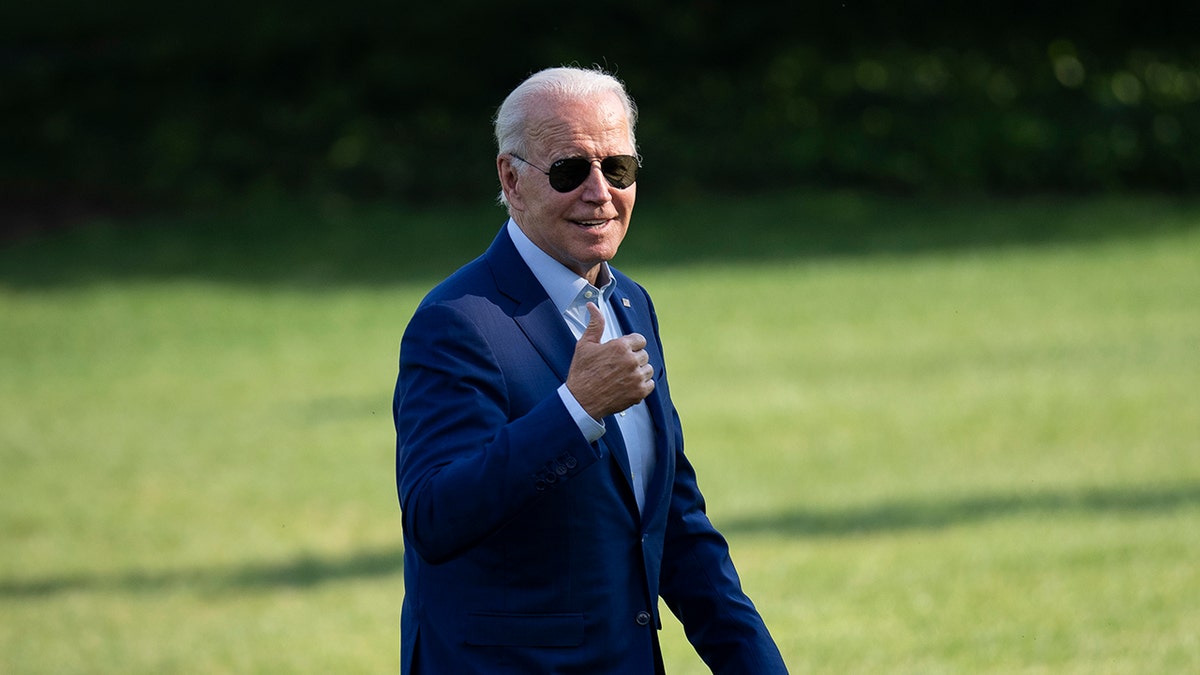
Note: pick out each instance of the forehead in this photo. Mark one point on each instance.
(592, 127)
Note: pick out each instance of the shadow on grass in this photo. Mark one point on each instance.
(327, 244)
(885, 517)
(303, 571)
(899, 516)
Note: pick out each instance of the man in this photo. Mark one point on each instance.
(546, 499)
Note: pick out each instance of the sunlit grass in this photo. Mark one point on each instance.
(937, 455)
(964, 463)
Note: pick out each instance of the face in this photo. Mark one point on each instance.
(584, 227)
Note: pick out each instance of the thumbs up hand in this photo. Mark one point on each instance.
(611, 376)
(595, 328)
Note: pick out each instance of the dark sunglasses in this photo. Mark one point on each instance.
(567, 174)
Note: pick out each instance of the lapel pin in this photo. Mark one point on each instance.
(625, 301)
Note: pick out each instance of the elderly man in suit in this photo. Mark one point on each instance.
(547, 502)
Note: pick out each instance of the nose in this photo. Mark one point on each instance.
(596, 188)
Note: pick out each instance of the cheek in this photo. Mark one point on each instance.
(625, 202)
(549, 201)
(628, 195)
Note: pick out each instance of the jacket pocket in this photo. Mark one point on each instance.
(524, 630)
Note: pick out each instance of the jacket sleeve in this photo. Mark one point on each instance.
(701, 587)
(466, 461)
(698, 581)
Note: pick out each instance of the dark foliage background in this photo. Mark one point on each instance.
(190, 102)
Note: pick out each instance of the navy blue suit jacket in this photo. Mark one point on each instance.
(524, 551)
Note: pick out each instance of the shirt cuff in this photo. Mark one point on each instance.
(590, 428)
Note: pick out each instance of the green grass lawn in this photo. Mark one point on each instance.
(941, 437)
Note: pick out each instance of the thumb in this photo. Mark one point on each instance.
(595, 327)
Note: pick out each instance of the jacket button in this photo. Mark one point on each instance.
(642, 618)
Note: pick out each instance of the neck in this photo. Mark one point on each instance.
(598, 276)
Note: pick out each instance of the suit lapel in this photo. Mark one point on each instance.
(615, 442)
(634, 317)
(541, 323)
(533, 312)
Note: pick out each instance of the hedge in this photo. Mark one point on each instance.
(195, 102)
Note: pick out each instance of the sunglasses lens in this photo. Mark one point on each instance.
(567, 174)
(620, 170)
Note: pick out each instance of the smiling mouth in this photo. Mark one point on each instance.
(591, 223)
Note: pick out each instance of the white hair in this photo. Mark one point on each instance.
(571, 83)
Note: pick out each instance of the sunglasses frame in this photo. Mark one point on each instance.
(564, 180)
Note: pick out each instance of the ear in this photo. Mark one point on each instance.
(510, 182)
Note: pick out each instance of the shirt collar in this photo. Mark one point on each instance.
(562, 285)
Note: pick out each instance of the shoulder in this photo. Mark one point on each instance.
(498, 272)
(474, 278)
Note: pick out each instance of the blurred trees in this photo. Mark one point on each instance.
(197, 102)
